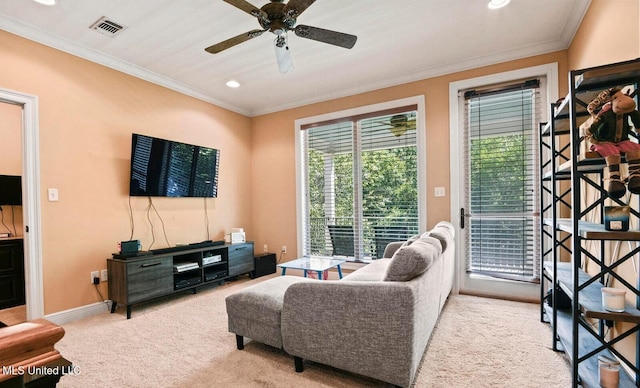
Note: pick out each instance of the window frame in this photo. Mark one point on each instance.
(301, 202)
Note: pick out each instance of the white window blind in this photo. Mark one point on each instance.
(502, 181)
(360, 183)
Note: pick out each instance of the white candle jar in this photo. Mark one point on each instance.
(613, 299)
(608, 372)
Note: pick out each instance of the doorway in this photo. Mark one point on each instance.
(28, 106)
(484, 233)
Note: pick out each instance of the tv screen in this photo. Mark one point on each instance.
(10, 190)
(165, 168)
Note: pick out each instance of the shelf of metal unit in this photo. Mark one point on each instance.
(593, 231)
(603, 76)
(587, 369)
(590, 299)
(561, 126)
(589, 162)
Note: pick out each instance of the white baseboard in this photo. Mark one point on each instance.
(74, 314)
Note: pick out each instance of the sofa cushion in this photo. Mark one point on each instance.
(413, 260)
(374, 271)
(444, 233)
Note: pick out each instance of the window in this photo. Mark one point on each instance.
(502, 193)
(359, 182)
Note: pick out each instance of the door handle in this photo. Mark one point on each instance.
(461, 218)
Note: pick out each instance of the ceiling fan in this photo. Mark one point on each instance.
(400, 124)
(279, 18)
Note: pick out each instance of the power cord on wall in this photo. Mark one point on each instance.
(164, 231)
(95, 284)
(131, 223)
(206, 218)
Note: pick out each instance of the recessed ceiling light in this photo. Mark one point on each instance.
(495, 4)
(46, 2)
(233, 84)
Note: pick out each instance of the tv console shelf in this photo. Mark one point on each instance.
(142, 278)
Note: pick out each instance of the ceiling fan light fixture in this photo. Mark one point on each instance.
(283, 56)
(46, 2)
(495, 4)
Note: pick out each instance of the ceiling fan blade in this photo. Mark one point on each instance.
(295, 7)
(248, 8)
(283, 55)
(216, 48)
(326, 36)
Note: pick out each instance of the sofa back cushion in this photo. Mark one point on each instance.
(443, 231)
(413, 260)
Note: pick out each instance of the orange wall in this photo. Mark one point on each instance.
(609, 32)
(87, 114)
(274, 215)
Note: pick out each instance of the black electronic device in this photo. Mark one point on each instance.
(265, 264)
(187, 281)
(124, 256)
(178, 248)
(127, 247)
(165, 168)
(10, 190)
(213, 275)
(205, 244)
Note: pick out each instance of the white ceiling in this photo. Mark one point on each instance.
(398, 42)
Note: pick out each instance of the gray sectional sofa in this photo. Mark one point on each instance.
(376, 321)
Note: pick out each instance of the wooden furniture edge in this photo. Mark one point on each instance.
(28, 344)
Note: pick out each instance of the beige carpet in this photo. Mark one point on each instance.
(182, 341)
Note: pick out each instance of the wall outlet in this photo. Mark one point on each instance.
(284, 249)
(265, 248)
(94, 275)
(104, 275)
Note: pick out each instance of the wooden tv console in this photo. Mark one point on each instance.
(138, 279)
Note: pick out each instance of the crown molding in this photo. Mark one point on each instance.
(40, 36)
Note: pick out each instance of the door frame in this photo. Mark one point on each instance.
(482, 285)
(31, 199)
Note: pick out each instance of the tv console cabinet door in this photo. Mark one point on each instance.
(149, 278)
(241, 259)
(11, 273)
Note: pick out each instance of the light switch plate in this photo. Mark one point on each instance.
(439, 192)
(53, 195)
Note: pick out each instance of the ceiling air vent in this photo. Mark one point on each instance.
(106, 26)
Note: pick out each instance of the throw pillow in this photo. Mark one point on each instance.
(411, 240)
(413, 260)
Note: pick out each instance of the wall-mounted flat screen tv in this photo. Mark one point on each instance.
(10, 190)
(165, 168)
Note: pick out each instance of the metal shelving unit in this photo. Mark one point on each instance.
(573, 235)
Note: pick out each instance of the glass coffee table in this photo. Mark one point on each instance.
(317, 264)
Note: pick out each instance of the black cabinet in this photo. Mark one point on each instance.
(11, 273)
(265, 264)
(138, 279)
